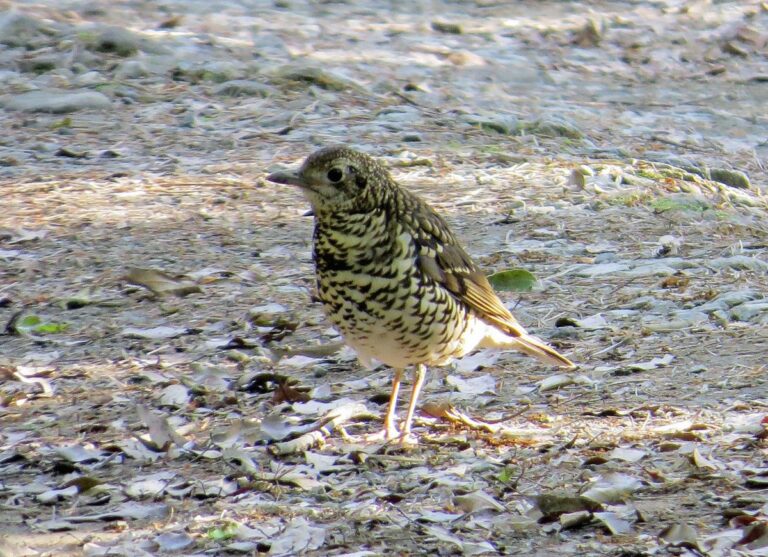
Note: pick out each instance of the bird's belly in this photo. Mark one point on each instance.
(397, 351)
(398, 324)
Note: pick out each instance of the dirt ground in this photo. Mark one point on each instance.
(169, 383)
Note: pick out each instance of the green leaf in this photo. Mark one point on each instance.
(33, 324)
(51, 328)
(28, 322)
(513, 280)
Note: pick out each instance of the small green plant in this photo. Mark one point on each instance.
(222, 533)
(692, 204)
(506, 475)
(632, 199)
(62, 124)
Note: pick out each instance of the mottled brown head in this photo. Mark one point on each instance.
(337, 178)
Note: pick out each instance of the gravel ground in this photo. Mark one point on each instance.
(171, 387)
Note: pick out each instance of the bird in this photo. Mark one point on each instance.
(393, 278)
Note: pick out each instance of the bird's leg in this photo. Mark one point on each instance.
(390, 430)
(418, 380)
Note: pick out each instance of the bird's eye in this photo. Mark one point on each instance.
(335, 175)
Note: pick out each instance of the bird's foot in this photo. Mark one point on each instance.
(404, 437)
(381, 436)
(407, 439)
(393, 436)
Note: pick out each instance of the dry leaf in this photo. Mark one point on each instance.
(477, 501)
(161, 434)
(479, 385)
(575, 519)
(155, 333)
(298, 537)
(612, 488)
(680, 535)
(553, 505)
(161, 283)
(613, 523)
(627, 455)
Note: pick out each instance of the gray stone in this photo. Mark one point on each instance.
(727, 300)
(557, 245)
(593, 323)
(620, 314)
(643, 303)
(57, 101)
(315, 76)
(129, 94)
(505, 124)
(671, 159)
(446, 27)
(57, 79)
(89, 79)
(243, 88)
(83, 60)
(690, 316)
(740, 263)
(44, 147)
(131, 69)
(636, 268)
(665, 325)
(720, 317)
(19, 30)
(216, 71)
(655, 269)
(551, 127)
(601, 269)
(189, 120)
(567, 332)
(41, 63)
(9, 160)
(122, 42)
(679, 263)
(605, 257)
(399, 115)
(711, 306)
(733, 178)
(748, 311)
(9, 77)
(655, 308)
(673, 319)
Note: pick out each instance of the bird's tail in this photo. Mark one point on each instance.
(527, 344)
(538, 349)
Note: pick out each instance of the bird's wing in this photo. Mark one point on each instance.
(440, 257)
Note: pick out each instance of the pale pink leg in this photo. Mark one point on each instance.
(390, 430)
(418, 380)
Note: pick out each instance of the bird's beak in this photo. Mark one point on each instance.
(285, 177)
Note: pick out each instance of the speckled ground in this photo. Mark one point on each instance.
(573, 139)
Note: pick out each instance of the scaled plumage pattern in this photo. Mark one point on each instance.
(393, 278)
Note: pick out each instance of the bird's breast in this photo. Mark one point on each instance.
(381, 301)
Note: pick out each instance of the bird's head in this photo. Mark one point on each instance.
(337, 178)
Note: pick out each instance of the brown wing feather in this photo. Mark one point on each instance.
(452, 267)
(442, 258)
(481, 297)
